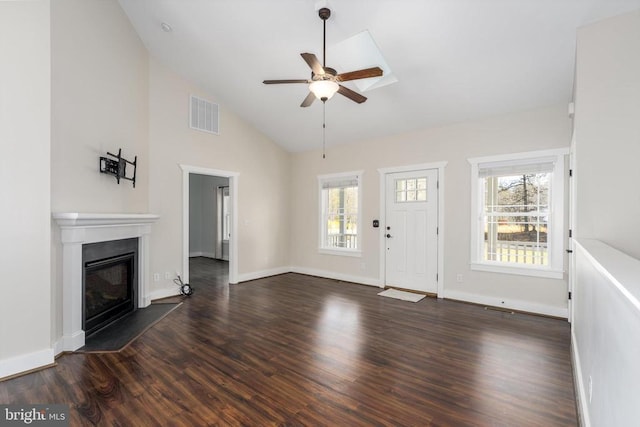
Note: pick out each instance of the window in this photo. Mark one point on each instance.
(518, 213)
(340, 213)
(226, 217)
(411, 190)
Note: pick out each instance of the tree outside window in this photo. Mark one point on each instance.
(517, 213)
(516, 209)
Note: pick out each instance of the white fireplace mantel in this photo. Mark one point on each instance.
(78, 229)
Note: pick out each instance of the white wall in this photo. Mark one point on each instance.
(605, 335)
(607, 134)
(517, 132)
(264, 201)
(99, 92)
(25, 301)
(100, 103)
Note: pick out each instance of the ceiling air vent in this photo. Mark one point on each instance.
(203, 115)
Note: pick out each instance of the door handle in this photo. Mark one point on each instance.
(388, 236)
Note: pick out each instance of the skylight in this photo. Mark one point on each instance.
(357, 52)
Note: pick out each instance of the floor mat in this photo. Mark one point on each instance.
(404, 296)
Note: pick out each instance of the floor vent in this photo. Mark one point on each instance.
(203, 115)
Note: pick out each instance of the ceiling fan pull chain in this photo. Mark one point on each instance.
(324, 126)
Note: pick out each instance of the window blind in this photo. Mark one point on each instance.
(525, 167)
(351, 181)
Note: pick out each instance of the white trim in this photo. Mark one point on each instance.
(58, 347)
(519, 270)
(439, 166)
(233, 195)
(321, 225)
(572, 219)
(555, 152)
(165, 293)
(555, 269)
(203, 254)
(342, 252)
(581, 395)
(411, 168)
(370, 281)
(77, 229)
(81, 219)
(512, 304)
(622, 270)
(26, 362)
(245, 277)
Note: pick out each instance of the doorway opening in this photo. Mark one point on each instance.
(209, 221)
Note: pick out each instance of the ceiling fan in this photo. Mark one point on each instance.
(325, 81)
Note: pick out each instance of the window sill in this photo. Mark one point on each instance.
(518, 270)
(340, 252)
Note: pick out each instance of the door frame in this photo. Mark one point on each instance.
(233, 197)
(572, 225)
(383, 172)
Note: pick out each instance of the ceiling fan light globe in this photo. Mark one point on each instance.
(324, 89)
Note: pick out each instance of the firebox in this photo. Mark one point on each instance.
(109, 282)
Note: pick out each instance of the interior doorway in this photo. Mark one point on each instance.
(208, 226)
(201, 223)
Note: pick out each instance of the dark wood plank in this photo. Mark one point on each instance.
(299, 350)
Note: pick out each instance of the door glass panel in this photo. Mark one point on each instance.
(411, 190)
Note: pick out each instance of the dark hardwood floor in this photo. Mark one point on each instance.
(299, 350)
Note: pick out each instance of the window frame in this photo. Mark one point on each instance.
(322, 226)
(556, 221)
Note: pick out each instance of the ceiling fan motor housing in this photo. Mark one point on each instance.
(329, 74)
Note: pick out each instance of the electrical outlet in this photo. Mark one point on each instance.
(156, 277)
(167, 275)
(459, 278)
(177, 274)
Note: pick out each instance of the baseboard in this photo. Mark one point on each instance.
(245, 277)
(516, 305)
(204, 254)
(338, 276)
(25, 363)
(58, 347)
(581, 391)
(165, 293)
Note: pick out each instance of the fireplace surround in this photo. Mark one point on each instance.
(79, 229)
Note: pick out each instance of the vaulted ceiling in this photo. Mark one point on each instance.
(455, 60)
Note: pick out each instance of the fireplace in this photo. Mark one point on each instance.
(109, 282)
(81, 230)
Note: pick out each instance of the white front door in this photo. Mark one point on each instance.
(411, 230)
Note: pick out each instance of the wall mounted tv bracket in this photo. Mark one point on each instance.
(117, 166)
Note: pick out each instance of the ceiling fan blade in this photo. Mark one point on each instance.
(308, 100)
(275, 82)
(354, 96)
(360, 74)
(313, 62)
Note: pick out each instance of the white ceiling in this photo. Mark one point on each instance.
(455, 60)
